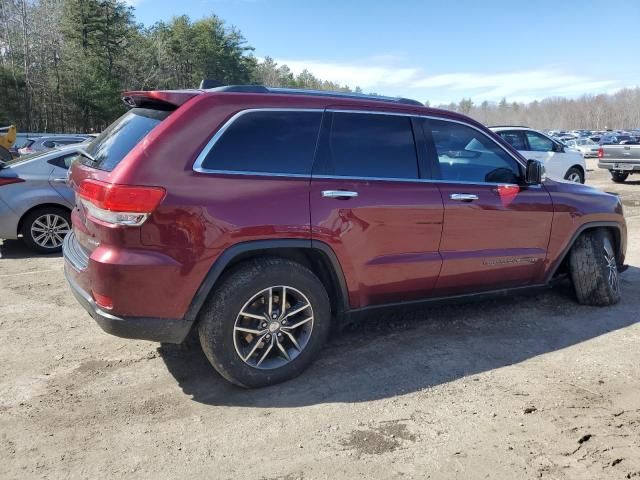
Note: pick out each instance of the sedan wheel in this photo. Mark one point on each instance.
(44, 229)
(48, 231)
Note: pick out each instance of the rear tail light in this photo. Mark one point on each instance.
(25, 150)
(126, 205)
(9, 181)
(600, 152)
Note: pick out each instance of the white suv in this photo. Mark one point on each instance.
(560, 162)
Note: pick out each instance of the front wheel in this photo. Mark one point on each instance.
(618, 177)
(574, 175)
(594, 269)
(265, 323)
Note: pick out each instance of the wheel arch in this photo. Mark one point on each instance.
(612, 227)
(315, 255)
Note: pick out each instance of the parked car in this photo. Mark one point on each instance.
(21, 141)
(560, 162)
(264, 217)
(614, 139)
(38, 144)
(620, 160)
(587, 147)
(35, 201)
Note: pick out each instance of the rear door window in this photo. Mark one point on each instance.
(112, 145)
(371, 146)
(271, 141)
(514, 138)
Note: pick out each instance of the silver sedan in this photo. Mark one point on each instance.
(35, 201)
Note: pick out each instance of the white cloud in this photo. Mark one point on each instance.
(354, 75)
(380, 76)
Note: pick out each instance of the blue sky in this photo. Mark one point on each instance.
(441, 50)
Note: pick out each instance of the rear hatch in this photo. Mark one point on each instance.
(92, 175)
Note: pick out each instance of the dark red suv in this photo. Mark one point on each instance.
(263, 217)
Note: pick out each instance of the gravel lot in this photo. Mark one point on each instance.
(531, 386)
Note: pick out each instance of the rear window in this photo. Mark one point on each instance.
(112, 145)
(267, 142)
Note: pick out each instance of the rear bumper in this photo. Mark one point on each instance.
(164, 330)
(629, 166)
(8, 222)
(142, 328)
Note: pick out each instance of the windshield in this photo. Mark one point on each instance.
(112, 145)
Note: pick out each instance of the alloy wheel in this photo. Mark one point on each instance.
(273, 327)
(48, 230)
(611, 266)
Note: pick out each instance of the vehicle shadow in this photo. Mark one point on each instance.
(16, 249)
(395, 353)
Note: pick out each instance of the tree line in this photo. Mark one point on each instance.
(65, 63)
(620, 110)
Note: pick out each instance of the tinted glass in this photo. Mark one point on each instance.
(369, 145)
(112, 145)
(538, 143)
(515, 139)
(468, 155)
(64, 162)
(267, 142)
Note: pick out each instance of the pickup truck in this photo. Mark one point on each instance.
(620, 160)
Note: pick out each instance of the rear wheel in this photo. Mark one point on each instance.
(619, 177)
(44, 229)
(575, 175)
(265, 323)
(594, 269)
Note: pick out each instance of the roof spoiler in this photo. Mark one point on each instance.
(158, 99)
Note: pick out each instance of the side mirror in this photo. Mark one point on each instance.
(558, 148)
(534, 172)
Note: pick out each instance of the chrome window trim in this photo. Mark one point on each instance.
(197, 166)
(412, 180)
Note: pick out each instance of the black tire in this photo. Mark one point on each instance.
(594, 278)
(619, 177)
(575, 172)
(219, 315)
(28, 235)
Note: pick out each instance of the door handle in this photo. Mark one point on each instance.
(463, 197)
(340, 194)
(59, 180)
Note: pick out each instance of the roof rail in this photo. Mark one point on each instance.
(315, 93)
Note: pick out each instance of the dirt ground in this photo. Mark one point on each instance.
(531, 386)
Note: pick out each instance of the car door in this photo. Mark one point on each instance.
(496, 229)
(58, 176)
(545, 150)
(371, 206)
